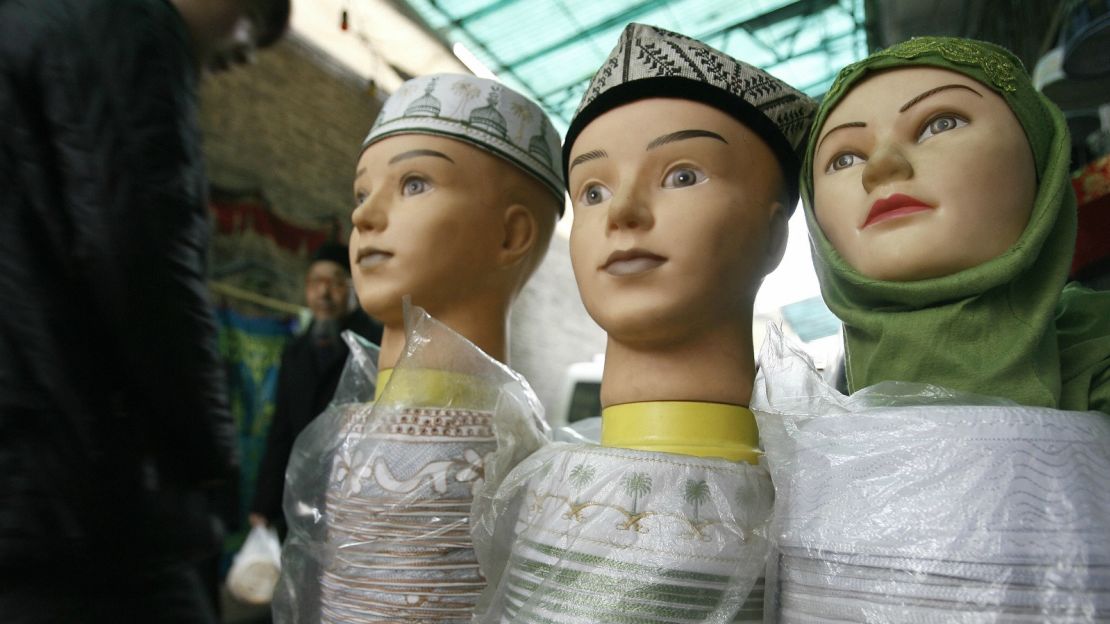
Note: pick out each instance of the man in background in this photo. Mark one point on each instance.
(311, 365)
(113, 409)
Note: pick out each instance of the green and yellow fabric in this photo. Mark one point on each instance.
(1008, 327)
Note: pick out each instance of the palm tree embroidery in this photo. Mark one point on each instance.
(524, 114)
(580, 476)
(636, 485)
(696, 494)
(466, 93)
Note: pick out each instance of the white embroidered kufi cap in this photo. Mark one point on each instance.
(650, 62)
(481, 112)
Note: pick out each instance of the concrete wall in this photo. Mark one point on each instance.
(550, 327)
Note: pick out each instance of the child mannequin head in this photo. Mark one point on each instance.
(456, 199)
(682, 171)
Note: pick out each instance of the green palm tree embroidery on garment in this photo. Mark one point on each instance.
(636, 485)
(580, 476)
(696, 493)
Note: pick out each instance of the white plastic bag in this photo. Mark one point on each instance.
(254, 571)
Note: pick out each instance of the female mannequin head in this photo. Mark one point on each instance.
(938, 199)
(921, 172)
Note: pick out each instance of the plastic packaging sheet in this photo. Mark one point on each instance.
(910, 503)
(582, 533)
(378, 492)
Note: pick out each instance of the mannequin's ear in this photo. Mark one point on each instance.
(520, 234)
(778, 228)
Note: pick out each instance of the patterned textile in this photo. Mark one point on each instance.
(618, 535)
(378, 494)
(913, 503)
(651, 62)
(251, 349)
(481, 112)
(399, 504)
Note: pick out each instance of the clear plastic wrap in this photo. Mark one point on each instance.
(378, 492)
(910, 503)
(580, 533)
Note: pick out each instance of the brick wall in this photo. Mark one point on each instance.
(290, 125)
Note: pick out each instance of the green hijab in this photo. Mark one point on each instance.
(1007, 327)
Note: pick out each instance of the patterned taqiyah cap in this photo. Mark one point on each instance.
(650, 62)
(481, 112)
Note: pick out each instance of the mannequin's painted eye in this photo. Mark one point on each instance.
(595, 194)
(843, 160)
(939, 124)
(682, 177)
(414, 186)
(360, 198)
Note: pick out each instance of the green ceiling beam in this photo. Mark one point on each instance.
(814, 50)
(624, 17)
(782, 14)
(492, 7)
(481, 45)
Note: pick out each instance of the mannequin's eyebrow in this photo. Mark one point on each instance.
(935, 91)
(595, 154)
(416, 153)
(682, 135)
(850, 124)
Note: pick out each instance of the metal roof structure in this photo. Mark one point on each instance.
(550, 49)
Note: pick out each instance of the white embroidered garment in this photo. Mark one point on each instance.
(910, 503)
(595, 534)
(384, 535)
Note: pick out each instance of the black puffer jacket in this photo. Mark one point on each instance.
(113, 415)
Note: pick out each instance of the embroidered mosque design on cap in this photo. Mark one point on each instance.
(481, 112)
(652, 62)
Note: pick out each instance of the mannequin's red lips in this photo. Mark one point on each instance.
(894, 206)
(631, 262)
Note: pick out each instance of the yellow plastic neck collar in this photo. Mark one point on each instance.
(684, 427)
(438, 388)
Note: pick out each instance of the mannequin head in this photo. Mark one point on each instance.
(908, 178)
(958, 125)
(682, 169)
(679, 213)
(456, 198)
(423, 228)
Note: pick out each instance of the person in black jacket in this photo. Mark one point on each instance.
(311, 365)
(113, 409)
